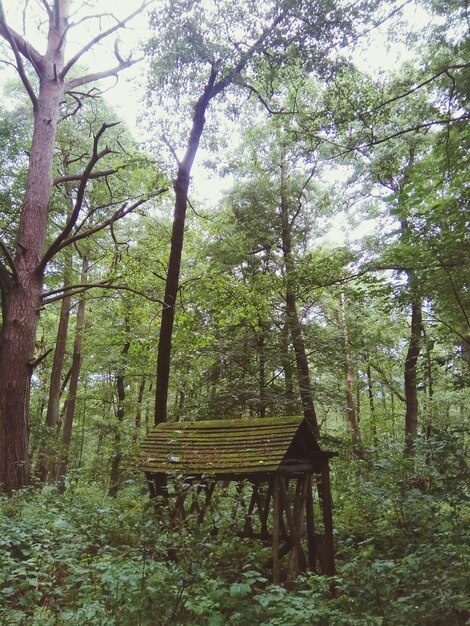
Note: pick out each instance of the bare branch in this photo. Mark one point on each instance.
(47, 7)
(76, 177)
(20, 46)
(23, 47)
(171, 149)
(90, 78)
(35, 362)
(95, 157)
(422, 84)
(117, 215)
(50, 297)
(120, 24)
(11, 262)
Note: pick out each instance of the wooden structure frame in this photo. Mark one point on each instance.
(278, 458)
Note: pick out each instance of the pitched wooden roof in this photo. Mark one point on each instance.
(225, 447)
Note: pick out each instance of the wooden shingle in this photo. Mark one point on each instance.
(227, 447)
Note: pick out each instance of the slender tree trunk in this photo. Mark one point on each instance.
(351, 408)
(138, 410)
(120, 411)
(181, 187)
(21, 290)
(55, 386)
(292, 317)
(74, 378)
(260, 342)
(370, 395)
(290, 400)
(411, 391)
(466, 347)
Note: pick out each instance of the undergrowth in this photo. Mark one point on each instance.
(402, 531)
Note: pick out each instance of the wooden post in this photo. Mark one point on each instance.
(327, 506)
(276, 528)
(312, 561)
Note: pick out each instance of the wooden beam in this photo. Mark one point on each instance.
(312, 561)
(276, 528)
(327, 506)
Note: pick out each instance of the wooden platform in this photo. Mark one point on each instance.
(281, 461)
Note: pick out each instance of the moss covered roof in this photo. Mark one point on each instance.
(227, 446)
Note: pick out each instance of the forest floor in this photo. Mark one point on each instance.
(402, 532)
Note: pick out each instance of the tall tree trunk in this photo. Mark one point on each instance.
(290, 400)
(351, 409)
(260, 342)
(120, 411)
(181, 187)
(138, 410)
(55, 386)
(411, 391)
(21, 289)
(303, 373)
(74, 378)
(370, 395)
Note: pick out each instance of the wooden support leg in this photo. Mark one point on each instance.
(327, 506)
(312, 561)
(276, 528)
(248, 526)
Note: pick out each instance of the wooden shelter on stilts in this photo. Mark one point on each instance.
(278, 460)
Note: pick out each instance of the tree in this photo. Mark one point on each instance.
(24, 262)
(201, 50)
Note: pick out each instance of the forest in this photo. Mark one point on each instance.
(281, 229)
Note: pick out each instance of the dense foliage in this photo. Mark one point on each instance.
(330, 278)
(402, 531)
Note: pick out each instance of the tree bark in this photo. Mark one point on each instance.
(303, 372)
(260, 343)
(411, 392)
(21, 290)
(55, 385)
(120, 412)
(74, 378)
(138, 410)
(351, 408)
(370, 395)
(287, 365)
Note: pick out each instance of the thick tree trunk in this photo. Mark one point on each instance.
(21, 292)
(74, 378)
(411, 392)
(303, 373)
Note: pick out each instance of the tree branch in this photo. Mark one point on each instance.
(90, 78)
(120, 24)
(76, 177)
(20, 47)
(95, 157)
(73, 290)
(119, 214)
(11, 262)
(417, 87)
